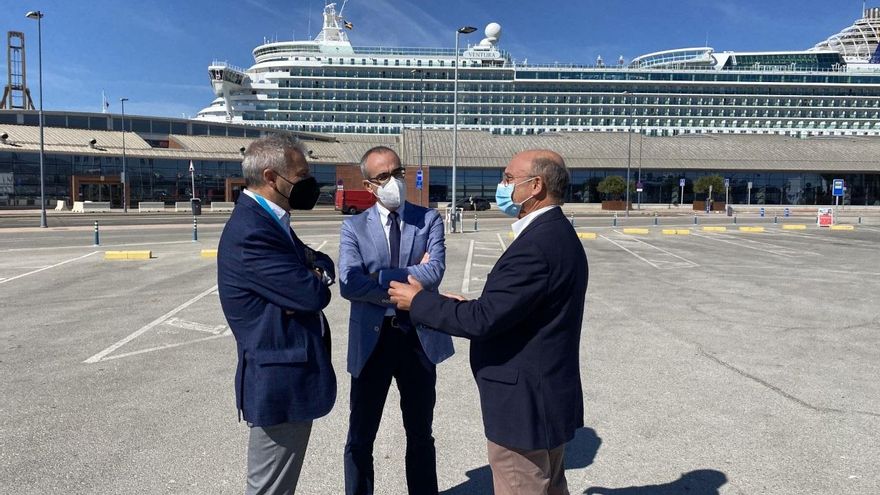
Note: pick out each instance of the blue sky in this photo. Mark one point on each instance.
(156, 52)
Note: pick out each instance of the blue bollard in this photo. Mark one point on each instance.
(195, 229)
(656, 221)
(775, 219)
(695, 220)
(614, 221)
(734, 219)
(97, 235)
(475, 221)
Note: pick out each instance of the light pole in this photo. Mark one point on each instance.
(36, 14)
(640, 186)
(459, 31)
(628, 147)
(421, 123)
(124, 179)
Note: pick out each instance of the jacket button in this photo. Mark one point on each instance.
(376, 329)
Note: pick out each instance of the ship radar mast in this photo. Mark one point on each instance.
(332, 31)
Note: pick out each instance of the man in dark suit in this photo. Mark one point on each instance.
(390, 241)
(272, 290)
(525, 330)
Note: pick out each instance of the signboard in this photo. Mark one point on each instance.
(837, 188)
(681, 183)
(825, 217)
(726, 183)
(750, 184)
(787, 212)
(639, 187)
(419, 179)
(762, 211)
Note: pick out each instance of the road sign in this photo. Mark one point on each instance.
(726, 183)
(681, 183)
(837, 188)
(419, 180)
(825, 217)
(762, 211)
(787, 212)
(750, 184)
(639, 187)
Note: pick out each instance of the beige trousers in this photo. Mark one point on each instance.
(527, 472)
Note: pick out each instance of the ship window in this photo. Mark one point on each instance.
(407, 63)
(419, 62)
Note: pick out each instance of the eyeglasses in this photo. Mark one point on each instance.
(383, 178)
(506, 179)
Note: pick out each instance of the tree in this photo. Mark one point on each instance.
(702, 184)
(614, 186)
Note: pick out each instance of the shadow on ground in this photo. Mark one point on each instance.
(699, 482)
(579, 453)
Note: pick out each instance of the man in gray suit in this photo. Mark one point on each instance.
(390, 241)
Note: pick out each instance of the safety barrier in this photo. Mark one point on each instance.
(91, 206)
(154, 206)
(128, 255)
(714, 229)
(184, 206)
(61, 206)
(752, 230)
(222, 206)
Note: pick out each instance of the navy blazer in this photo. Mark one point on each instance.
(525, 330)
(363, 249)
(273, 301)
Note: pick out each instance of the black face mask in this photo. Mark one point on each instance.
(303, 195)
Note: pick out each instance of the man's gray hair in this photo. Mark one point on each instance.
(554, 174)
(375, 149)
(269, 152)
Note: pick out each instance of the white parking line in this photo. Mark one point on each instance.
(168, 346)
(47, 267)
(192, 325)
(660, 264)
(466, 280)
(320, 246)
(99, 356)
(756, 245)
(501, 241)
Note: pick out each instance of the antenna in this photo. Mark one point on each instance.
(343, 7)
(309, 33)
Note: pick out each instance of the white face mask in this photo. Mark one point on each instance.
(392, 194)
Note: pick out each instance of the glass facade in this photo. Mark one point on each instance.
(662, 186)
(150, 179)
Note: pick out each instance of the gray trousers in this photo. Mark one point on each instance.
(275, 457)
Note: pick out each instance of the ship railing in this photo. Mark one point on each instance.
(226, 65)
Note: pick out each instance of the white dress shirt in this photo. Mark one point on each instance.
(521, 224)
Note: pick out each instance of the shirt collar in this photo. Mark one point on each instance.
(521, 224)
(383, 212)
(277, 210)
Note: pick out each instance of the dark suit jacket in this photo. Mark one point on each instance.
(273, 301)
(526, 329)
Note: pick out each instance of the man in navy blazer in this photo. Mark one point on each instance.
(390, 241)
(272, 290)
(525, 330)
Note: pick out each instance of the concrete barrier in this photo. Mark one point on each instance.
(714, 229)
(182, 206)
(676, 231)
(128, 255)
(222, 206)
(632, 231)
(793, 226)
(151, 206)
(209, 253)
(752, 230)
(61, 206)
(91, 207)
(587, 235)
(842, 227)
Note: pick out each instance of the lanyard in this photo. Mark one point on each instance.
(265, 205)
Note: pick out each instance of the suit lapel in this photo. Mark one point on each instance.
(245, 200)
(376, 231)
(407, 235)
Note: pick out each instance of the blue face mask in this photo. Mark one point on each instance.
(504, 198)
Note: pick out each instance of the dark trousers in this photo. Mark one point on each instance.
(398, 354)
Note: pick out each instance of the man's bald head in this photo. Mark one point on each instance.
(550, 167)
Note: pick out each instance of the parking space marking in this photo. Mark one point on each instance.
(660, 261)
(501, 241)
(101, 355)
(757, 245)
(12, 250)
(10, 279)
(227, 333)
(192, 325)
(466, 280)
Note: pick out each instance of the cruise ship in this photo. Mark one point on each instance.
(327, 85)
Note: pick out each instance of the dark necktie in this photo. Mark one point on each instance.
(394, 239)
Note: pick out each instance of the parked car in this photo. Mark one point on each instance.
(352, 202)
(471, 204)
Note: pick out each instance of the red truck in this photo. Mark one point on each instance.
(352, 202)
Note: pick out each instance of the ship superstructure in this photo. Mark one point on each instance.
(328, 85)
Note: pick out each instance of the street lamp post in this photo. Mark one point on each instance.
(421, 123)
(459, 31)
(640, 186)
(36, 14)
(124, 178)
(628, 148)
